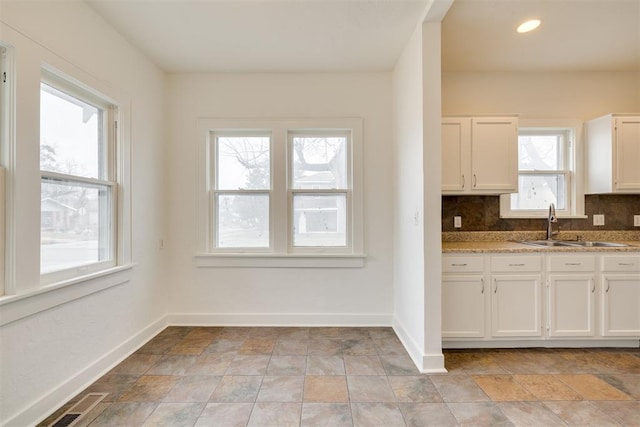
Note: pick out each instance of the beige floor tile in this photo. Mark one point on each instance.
(503, 388)
(530, 414)
(591, 387)
(325, 388)
(547, 387)
(236, 389)
(458, 388)
(255, 346)
(287, 365)
(193, 388)
(325, 365)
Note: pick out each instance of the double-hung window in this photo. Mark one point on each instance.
(319, 189)
(78, 181)
(546, 174)
(281, 189)
(242, 190)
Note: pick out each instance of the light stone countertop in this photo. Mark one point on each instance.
(501, 241)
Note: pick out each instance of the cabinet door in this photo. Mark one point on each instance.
(621, 305)
(463, 306)
(494, 154)
(571, 305)
(456, 146)
(515, 305)
(627, 151)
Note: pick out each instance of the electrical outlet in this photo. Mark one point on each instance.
(457, 221)
(636, 220)
(598, 219)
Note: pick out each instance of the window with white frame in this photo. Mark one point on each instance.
(283, 187)
(5, 118)
(78, 181)
(546, 174)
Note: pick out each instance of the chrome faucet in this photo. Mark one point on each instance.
(550, 220)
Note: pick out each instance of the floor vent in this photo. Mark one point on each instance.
(81, 408)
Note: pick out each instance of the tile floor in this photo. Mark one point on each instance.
(193, 376)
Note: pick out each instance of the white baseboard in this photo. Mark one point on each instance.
(426, 363)
(560, 343)
(278, 319)
(55, 398)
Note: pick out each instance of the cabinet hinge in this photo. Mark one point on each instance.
(4, 77)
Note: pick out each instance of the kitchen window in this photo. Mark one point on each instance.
(78, 188)
(547, 173)
(285, 191)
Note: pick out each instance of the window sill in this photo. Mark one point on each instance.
(16, 307)
(280, 260)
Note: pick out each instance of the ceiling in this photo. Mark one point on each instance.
(183, 36)
(266, 35)
(575, 35)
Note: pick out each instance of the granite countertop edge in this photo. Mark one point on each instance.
(506, 241)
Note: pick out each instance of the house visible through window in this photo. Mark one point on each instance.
(285, 188)
(78, 188)
(546, 174)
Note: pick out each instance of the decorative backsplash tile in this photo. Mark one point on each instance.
(482, 213)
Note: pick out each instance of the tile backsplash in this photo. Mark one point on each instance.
(482, 213)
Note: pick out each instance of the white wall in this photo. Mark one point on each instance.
(293, 296)
(582, 95)
(408, 230)
(47, 357)
(433, 360)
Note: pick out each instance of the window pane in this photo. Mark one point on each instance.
(320, 162)
(243, 221)
(538, 191)
(75, 225)
(70, 135)
(320, 220)
(539, 152)
(243, 163)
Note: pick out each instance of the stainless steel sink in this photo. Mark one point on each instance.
(547, 243)
(600, 244)
(571, 243)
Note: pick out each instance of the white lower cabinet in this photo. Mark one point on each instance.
(621, 296)
(571, 290)
(516, 296)
(463, 297)
(574, 296)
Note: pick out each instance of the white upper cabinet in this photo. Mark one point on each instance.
(479, 155)
(613, 154)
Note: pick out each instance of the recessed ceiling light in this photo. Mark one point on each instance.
(529, 25)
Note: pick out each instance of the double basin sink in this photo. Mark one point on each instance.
(572, 243)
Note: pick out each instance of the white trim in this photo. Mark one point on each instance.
(255, 260)
(38, 410)
(16, 307)
(279, 319)
(542, 343)
(426, 363)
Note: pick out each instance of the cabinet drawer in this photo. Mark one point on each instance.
(572, 263)
(621, 263)
(516, 263)
(463, 264)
